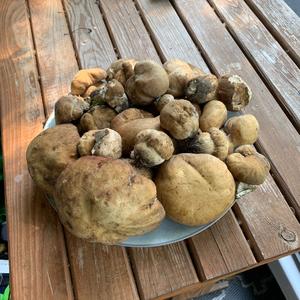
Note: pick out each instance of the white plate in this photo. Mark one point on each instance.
(169, 231)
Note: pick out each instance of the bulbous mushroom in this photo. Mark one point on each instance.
(121, 70)
(149, 81)
(152, 147)
(85, 78)
(242, 130)
(202, 88)
(234, 92)
(161, 101)
(86, 143)
(214, 114)
(180, 72)
(248, 166)
(180, 119)
(69, 108)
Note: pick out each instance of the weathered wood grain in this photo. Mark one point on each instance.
(203, 23)
(37, 256)
(276, 67)
(54, 49)
(282, 22)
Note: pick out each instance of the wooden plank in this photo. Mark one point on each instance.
(100, 272)
(130, 31)
(203, 23)
(168, 32)
(282, 22)
(211, 266)
(38, 262)
(91, 39)
(276, 67)
(162, 270)
(55, 53)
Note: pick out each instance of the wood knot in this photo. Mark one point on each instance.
(288, 235)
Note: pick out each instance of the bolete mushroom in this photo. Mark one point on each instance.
(234, 92)
(95, 204)
(195, 189)
(69, 108)
(152, 147)
(180, 119)
(85, 78)
(161, 101)
(247, 165)
(214, 114)
(87, 142)
(149, 81)
(202, 88)
(49, 153)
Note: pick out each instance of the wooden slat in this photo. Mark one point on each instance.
(130, 31)
(276, 67)
(55, 54)
(91, 39)
(202, 22)
(282, 22)
(162, 270)
(235, 255)
(38, 262)
(101, 272)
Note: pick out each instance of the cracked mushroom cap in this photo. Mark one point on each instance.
(248, 166)
(195, 189)
(69, 108)
(85, 78)
(49, 153)
(202, 88)
(149, 81)
(180, 119)
(180, 72)
(242, 130)
(117, 208)
(234, 92)
(214, 114)
(152, 147)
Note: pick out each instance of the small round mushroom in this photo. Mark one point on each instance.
(149, 81)
(202, 89)
(214, 114)
(234, 92)
(85, 78)
(180, 119)
(98, 117)
(180, 72)
(242, 130)
(121, 70)
(69, 108)
(152, 147)
(160, 102)
(86, 143)
(248, 166)
(108, 143)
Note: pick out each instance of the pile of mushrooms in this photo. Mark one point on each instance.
(140, 141)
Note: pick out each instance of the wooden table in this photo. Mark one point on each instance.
(43, 43)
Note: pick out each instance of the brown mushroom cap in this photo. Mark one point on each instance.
(180, 72)
(195, 189)
(202, 88)
(98, 117)
(234, 92)
(86, 143)
(95, 204)
(248, 166)
(180, 118)
(49, 153)
(152, 147)
(149, 81)
(162, 101)
(214, 114)
(85, 78)
(242, 130)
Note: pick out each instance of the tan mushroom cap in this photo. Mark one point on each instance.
(162, 101)
(180, 119)
(86, 143)
(195, 189)
(95, 204)
(248, 166)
